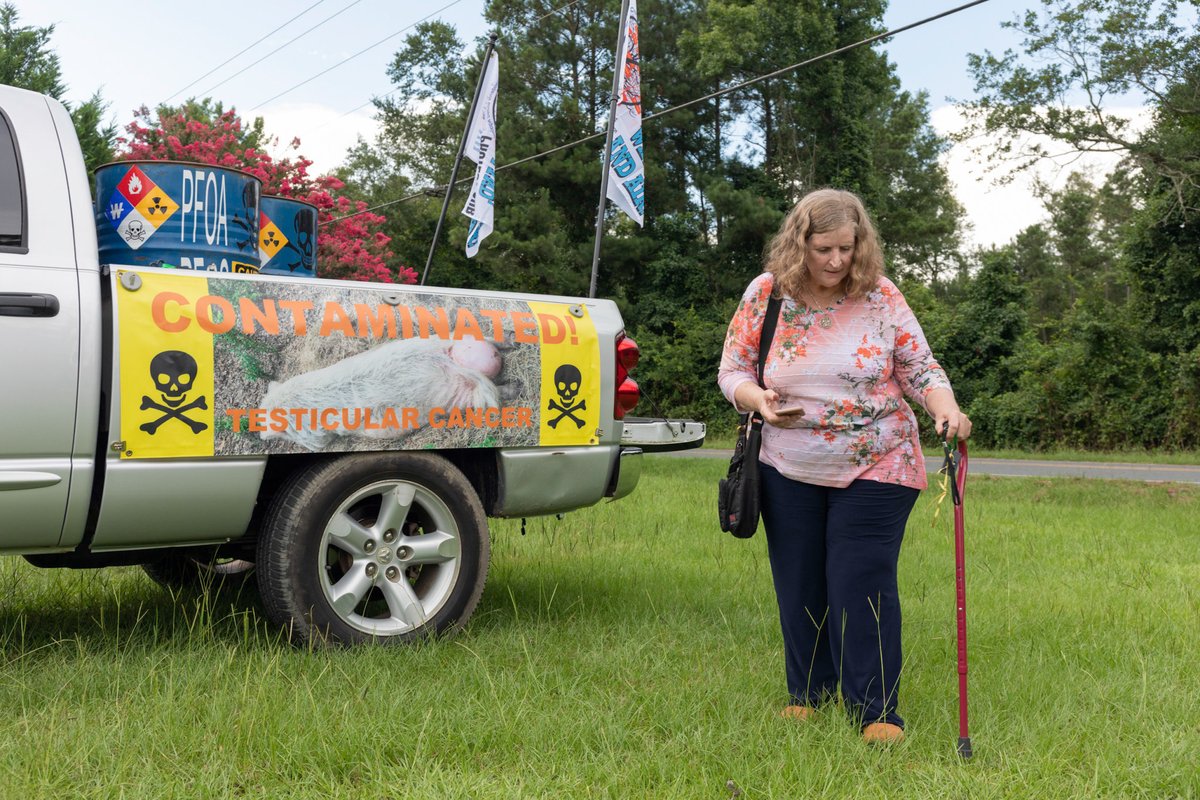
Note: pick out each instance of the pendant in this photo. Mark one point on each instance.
(826, 322)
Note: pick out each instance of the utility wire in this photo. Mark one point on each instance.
(551, 13)
(655, 115)
(822, 57)
(240, 52)
(356, 55)
(285, 44)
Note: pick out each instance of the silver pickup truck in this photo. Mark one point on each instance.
(342, 442)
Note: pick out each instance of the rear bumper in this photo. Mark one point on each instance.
(550, 480)
(626, 473)
(658, 435)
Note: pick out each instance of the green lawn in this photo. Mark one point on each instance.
(629, 651)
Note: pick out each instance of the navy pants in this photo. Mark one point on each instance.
(833, 558)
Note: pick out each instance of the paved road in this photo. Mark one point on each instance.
(1004, 466)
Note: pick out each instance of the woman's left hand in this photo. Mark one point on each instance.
(948, 419)
(951, 424)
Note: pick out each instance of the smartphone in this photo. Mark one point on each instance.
(790, 407)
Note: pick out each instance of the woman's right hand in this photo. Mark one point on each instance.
(768, 406)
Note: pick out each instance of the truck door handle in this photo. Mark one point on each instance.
(18, 304)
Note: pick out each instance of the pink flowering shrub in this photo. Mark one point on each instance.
(353, 248)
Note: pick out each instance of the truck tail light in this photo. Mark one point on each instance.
(628, 393)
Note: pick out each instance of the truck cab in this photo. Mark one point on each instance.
(50, 327)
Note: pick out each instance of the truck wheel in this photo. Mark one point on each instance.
(192, 571)
(373, 547)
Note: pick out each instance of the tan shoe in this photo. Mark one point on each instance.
(797, 712)
(882, 733)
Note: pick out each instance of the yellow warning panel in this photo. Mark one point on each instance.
(270, 239)
(166, 372)
(570, 392)
(157, 207)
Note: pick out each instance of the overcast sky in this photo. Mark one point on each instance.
(140, 52)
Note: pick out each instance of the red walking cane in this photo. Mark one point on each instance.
(956, 469)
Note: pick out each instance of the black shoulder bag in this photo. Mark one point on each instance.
(737, 492)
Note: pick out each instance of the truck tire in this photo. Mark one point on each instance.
(197, 572)
(373, 547)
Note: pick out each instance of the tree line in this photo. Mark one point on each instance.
(1082, 331)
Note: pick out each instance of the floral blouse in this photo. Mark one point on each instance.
(849, 366)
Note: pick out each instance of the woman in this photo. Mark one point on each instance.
(841, 464)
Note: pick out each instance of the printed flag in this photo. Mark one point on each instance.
(481, 148)
(627, 172)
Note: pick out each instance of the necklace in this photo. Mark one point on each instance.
(815, 304)
(825, 320)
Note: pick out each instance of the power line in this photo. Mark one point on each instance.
(356, 55)
(719, 93)
(814, 60)
(240, 52)
(285, 44)
(551, 13)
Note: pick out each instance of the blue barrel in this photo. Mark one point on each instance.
(287, 236)
(177, 214)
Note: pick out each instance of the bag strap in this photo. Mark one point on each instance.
(767, 335)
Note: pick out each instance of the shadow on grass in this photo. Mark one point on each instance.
(97, 612)
(121, 609)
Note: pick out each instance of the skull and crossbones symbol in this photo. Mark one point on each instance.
(173, 373)
(250, 201)
(303, 246)
(567, 382)
(136, 231)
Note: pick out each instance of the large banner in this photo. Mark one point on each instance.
(227, 366)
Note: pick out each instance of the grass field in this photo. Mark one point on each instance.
(630, 651)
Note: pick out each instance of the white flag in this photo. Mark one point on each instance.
(627, 173)
(481, 148)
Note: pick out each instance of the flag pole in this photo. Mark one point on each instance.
(618, 67)
(462, 147)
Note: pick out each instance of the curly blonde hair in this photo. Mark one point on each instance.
(823, 211)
